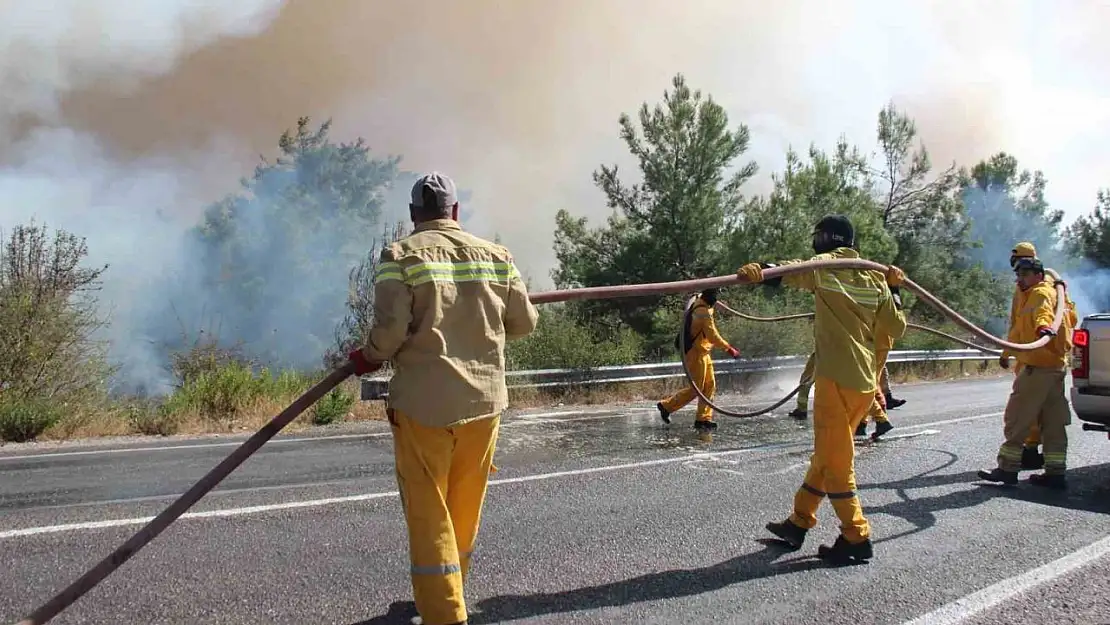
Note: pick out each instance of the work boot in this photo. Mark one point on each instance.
(1055, 482)
(844, 552)
(663, 414)
(1031, 459)
(861, 429)
(704, 424)
(893, 403)
(798, 413)
(881, 427)
(788, 532)
(998, 475)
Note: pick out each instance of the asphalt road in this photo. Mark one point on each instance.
(598, 514)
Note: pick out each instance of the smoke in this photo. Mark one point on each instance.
(120, 122)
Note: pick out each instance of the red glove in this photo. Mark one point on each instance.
(362, 365)
(1045, 331)
(732, 351)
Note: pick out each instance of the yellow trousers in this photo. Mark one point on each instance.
(701, 370)
(1034, 437)
(806, 382)
(837, 412)
(442, 474)
(1038, 394)
(876, 412)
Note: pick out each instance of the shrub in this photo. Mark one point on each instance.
(24, 420)
(332, 407)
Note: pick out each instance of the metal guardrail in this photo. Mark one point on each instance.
(378, 387)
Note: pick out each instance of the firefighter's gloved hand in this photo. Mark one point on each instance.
(1004, 360)
(362, 365)
(751, 273)
(895, 276)
(732, 351)
(1045, 331)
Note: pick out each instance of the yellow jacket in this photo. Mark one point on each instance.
(445, 302)
(703, 335)
(1036, 308)
(853, 309)
(1069, 312)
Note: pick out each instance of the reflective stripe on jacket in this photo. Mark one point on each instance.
(445, 302)
(854, 311)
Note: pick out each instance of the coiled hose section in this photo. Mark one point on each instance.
(685, 286)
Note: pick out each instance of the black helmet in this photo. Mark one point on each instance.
(831, 232)
(1028, 264)
(710, 295)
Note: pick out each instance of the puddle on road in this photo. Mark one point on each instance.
(641, 430)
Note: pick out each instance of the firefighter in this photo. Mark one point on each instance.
(877, 412)
(445, 302)
(698, 338)
(852, 308)
(801, 410)
(1038, 389)
(1031, 458)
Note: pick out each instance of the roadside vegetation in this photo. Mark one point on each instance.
(686, 213)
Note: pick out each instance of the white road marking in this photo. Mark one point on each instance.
(525, 419)
(715, 455)
(963, 609)
(32, 531)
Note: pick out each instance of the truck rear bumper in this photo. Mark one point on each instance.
(1092, 408)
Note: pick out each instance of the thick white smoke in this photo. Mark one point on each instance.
(119, 121)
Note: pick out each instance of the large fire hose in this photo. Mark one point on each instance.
(158, 524)
(797, 389)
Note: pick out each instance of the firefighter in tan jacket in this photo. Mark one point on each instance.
(445, 303)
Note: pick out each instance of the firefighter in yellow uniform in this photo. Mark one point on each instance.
(699, 336)
(805, 383)
(877, 412)
(1031, 458)
(445, 303)
(1038, 390)
(852, 308)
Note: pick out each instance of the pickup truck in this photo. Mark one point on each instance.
(1090, 391)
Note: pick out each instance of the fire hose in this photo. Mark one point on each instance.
(158, 524)
(797, 389)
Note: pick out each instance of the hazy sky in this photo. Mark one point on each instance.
(108, 114)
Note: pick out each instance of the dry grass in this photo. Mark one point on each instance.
(138, 418)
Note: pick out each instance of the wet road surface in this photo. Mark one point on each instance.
(597, 514)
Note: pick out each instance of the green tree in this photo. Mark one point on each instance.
(1089, 237)
(921, 209)
(672, 225)
(51, 362)
(781, 225)
(275, 257)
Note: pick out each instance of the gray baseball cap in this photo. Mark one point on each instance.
(444, 188)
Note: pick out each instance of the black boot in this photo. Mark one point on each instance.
(861, 429)
(705, 425)
(881, 427)
(798, 413)
(663, 414)
(788, 532)
(893, 403)
(998, 475)
(1031, 459)
(1055, 482)
(844, 552)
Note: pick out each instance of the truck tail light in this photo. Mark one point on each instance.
(1081, 365)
